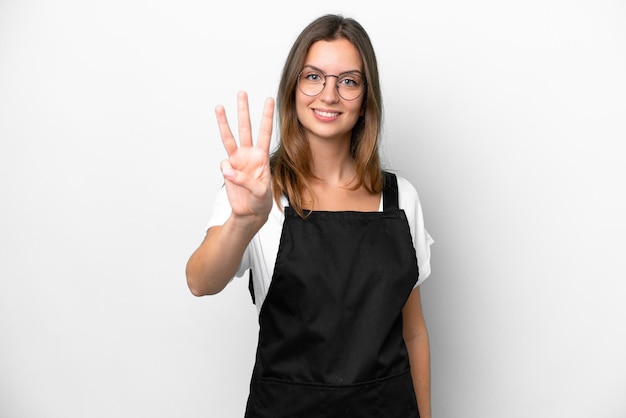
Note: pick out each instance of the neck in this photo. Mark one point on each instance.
(332, 162)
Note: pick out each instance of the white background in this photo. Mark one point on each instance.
(508, 117)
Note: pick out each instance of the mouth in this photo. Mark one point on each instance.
(325, 114)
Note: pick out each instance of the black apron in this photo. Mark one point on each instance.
(330, 329)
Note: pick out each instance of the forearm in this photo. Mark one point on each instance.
(419, 357)
(416, 339)
(217, 259)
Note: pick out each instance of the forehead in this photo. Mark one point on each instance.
(334, 57)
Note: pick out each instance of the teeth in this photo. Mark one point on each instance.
(326, 114)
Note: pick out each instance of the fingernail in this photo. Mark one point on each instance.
(228, 173)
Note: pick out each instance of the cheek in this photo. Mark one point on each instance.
(361, 107)
(301, 107)
(357, 110)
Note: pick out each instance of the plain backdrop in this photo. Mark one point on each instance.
(508, 117)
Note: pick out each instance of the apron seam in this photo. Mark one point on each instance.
(330, 386)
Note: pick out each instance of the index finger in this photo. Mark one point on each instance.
(227, 136)
(267, 121)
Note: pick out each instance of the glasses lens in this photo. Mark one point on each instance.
(311, 82)
(349, 86)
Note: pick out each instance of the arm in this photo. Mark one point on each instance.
(248, 185)
(416, 339)
(218, 257)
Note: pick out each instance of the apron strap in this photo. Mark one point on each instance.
(390, 192)
(251, 286)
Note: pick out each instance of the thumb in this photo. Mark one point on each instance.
(227, 170)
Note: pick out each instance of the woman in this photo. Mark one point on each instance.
(329, 238)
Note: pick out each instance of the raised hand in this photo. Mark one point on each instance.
(246, 171)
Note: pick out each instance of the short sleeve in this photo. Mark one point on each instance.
(409, 201)
(219, 215)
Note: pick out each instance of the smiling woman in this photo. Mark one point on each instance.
(336, 247)
(508, 117)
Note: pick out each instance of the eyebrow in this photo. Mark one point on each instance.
(340, 74)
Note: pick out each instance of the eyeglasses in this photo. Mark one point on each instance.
(350, 85)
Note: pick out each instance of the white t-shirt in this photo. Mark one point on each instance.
(260, 256)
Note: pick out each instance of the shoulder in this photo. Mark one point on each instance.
(405, 186)
(408, 197)
(409, 201)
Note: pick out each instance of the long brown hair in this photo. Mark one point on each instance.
(291, 162)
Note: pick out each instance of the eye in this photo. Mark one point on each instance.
(313, 76)
(350, 81)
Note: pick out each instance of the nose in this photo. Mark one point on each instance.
(330, 92)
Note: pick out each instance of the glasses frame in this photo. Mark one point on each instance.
(323, 74)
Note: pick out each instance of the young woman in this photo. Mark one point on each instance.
(336, 247)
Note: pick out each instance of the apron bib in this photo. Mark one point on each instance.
(330, 329)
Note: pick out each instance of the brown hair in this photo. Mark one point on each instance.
(291, 162)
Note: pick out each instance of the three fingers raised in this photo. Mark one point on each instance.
(244, 125)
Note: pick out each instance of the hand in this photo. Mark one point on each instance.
(247, 171)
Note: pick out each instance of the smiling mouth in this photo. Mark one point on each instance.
(326, 114)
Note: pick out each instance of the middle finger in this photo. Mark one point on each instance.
(243, 114)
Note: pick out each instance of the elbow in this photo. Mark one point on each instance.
(416, 334)
(193, 286)
(201, 280)
(199, 286)
(198, 290)
(192, 281)
(195, 290)
(418, 338)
